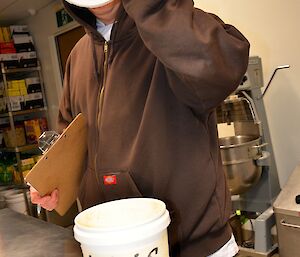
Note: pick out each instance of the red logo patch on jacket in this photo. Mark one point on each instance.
(110, 180)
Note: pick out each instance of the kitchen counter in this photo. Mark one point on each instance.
(25, 236)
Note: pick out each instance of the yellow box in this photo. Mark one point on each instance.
(33, 130)
(6, 34)
(13, 92)
(12, 85)
(23, 91)
(13, 140)
(1, 36)
(28, 161)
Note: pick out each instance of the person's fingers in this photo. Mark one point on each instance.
(55, 195)
(34, 196)
(43, 201)
(48, 202)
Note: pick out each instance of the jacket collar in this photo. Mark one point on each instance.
(122, 28)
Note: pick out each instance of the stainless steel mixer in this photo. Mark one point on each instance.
(239, 155)
(248, 157)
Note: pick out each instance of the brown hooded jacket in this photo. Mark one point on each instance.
(149, 97)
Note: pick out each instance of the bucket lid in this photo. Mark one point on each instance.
(121, 221)
(121, 214)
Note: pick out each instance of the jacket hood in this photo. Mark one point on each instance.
(123, 24)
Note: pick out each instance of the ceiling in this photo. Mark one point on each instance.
(14, 11)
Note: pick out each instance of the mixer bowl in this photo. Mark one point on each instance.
(238, 155)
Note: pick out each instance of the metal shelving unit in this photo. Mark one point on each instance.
(24, 112)
(11, 115)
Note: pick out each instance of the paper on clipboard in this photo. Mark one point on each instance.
(61, 166)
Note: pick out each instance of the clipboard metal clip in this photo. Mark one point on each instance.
(47, 139)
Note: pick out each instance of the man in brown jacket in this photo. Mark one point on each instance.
(147, 76)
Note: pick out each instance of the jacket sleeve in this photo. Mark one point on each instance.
(65, 111)
(208, 56)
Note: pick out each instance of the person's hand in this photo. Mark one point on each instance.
(48, 202)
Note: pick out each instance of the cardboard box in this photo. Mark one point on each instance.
(43, 124)
(2, 100)
(1, 36)
(16, 87)
(10, 60)
(1, 88)
(33, 85)
(7, 45)
(5, 34)
(11, 139)
(27, 59)
(13, 92)
(19, 29)
(17, 84)
(8, 51)
(15, 103)
(32, 130)
(22, 39)
(23, 43)
(3, 108)
(33, 100)
(7, 48)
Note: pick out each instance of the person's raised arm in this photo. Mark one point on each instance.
(207, 55)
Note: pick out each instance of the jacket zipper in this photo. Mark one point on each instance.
(100, 99)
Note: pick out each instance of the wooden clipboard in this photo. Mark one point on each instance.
(61, 166)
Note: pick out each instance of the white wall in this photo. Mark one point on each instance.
(271, 26)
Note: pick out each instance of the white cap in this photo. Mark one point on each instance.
(89, 3)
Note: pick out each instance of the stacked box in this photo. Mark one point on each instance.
(7, 48)
(5, 35)
(10, 61)
(19, 51)
(27, 59)
(34, 128)
(14, 94)
(19, 60)
(43, 124)
(26, 165)
(6, 44)
(15, 103)
(2, 99)
(33, 100)
(14, 139)
(33, 85)
(16, 88)
(19, 29)
(23, 43)
(3, 105)
(23, 95)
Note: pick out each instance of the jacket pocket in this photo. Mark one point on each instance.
(117, 185)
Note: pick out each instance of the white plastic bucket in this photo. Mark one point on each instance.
(2, 202)
(5, 190)
(135, 227)
(16, 201)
